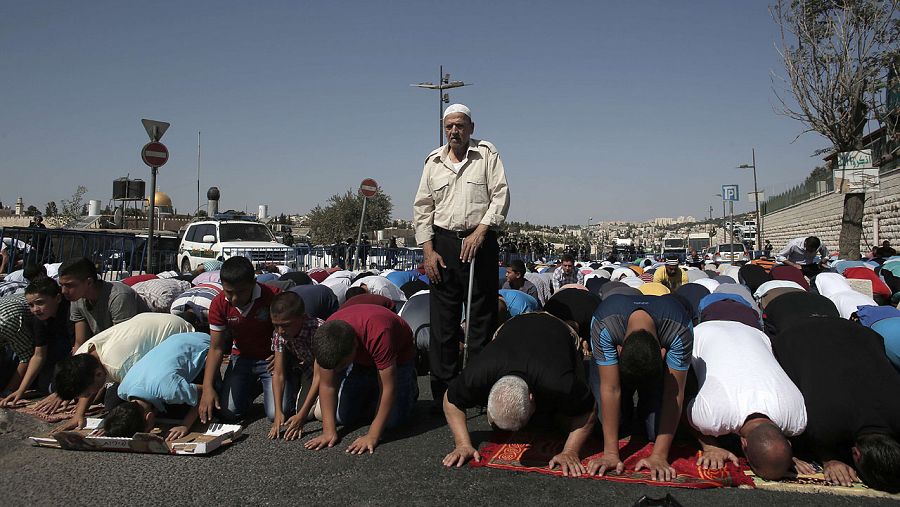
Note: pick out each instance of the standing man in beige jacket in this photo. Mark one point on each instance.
(462, 199)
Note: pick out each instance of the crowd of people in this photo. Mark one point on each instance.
(755, 361)
(784, 361)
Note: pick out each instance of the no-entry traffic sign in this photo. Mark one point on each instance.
(368, 187)
(154, 154)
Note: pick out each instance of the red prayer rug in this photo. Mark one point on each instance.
(530, 452)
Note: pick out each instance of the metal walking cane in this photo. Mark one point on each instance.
(468, 310)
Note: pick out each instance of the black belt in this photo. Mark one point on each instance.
(454, 234)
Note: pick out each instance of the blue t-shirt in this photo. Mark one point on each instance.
(889, 329)
(715, 297)
(673, 328)
(165, 375)
(517, 302)
(398, 278)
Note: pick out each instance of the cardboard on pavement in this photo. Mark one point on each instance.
(207, 439)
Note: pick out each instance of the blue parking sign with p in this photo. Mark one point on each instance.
(730, 193)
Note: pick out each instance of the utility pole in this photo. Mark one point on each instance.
(731, 236)
(755, 198)
(198, 175)
(444, 83)
(724, 230)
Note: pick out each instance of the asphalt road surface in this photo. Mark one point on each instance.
(405, 469)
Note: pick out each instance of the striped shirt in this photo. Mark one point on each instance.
(15, 326)
(212, 266)
(560, 278)
(543, 284)
(159, 293)
(197, 300)
(10, 287)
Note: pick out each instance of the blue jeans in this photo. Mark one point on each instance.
(648, 407)
(359, 394)
(244, 379)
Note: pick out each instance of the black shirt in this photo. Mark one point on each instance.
(298, 277)
(58, 327)
(693, 293)
(787, 309)
(411, 287)
(540, 349)
(319, 301)
(577, 305)
(847, 383)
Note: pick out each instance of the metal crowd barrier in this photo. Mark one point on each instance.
(119, 254)
(327, 256)
(116, 254)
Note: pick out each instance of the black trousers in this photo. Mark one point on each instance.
(447, 300)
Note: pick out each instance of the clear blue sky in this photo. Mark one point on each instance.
(610, 110)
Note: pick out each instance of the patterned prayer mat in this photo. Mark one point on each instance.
(64, 412)
(816, 483)
(530, 452)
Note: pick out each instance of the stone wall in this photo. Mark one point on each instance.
(14, 221)
(821, 216)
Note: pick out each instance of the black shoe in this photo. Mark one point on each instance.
(667, 501)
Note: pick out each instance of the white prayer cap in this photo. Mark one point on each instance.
(458, 108)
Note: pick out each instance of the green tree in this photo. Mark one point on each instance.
(32, 211)
(72, 208)
(339, 218)
(51, 210)
(840, 58)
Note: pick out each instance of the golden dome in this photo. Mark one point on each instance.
(162, 199)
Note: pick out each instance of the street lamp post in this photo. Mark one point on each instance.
(724, 230)
(444, 83)
(589, 238)
(755, 198)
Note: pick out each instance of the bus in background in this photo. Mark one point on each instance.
(674, 246)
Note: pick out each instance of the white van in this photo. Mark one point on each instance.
(220, 239)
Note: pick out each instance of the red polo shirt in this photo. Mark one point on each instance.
(370, 299)
(384, 338)
(250, 327)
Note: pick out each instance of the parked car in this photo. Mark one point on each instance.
(219, 239)
(723, 253)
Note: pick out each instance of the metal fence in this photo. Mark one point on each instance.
(805, 191)
(327, 256)
(115, 254)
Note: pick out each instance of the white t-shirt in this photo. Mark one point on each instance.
(849, 301)
(739, 376)
(831, 283)
(458, 165)
(122, 345)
